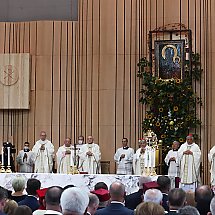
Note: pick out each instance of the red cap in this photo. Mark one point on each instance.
(150, 185)
(190, 135)
(102, 194)
(42, 192)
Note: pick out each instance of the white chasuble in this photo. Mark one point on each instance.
(211, 158)
(140, 161)
(124, 165)
(43, 158)
(173, 169)
(189, 164)
(64, 160)
(26, 165)
(90, 164)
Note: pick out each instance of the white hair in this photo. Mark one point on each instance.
(153, 195)
(93, 200)
(74, 200)
(143, 180)
(18, 183)
(188, 210)
(212, 206)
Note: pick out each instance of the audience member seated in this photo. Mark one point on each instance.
(149, 208)
(177, 200)
(18, 185)
(51, 201)
(190, 198)
(74, 201)
(212, 207)
(93, 204)
(188, 210)
(164, 186)
(3, 196)
(134, 199)
(153, 195)
(23, 210)
(103, 196)
(31, 200)
(203, 196)
(117, 193)
(10, 207)
(100, 185)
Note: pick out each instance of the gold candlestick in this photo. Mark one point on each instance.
(2, 170)
(8, 170)
(74, 170)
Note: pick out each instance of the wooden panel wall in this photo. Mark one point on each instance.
(83, 78)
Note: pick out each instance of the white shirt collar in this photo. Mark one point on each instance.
(116, 202)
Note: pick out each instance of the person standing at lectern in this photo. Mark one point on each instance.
(25, 159)
(90, 157)
(44, 154)
(124, 158)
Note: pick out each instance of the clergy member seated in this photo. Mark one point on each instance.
(134, 199)
(25, 159)
(65, 157)
(189, 156)
(44, 154)
(103, 196)
(90, 157)
(124, 158)
(171, 160)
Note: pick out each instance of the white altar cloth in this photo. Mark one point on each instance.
(86, 182)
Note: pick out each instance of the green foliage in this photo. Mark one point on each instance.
(170, 104)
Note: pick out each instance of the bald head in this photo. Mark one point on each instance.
(90, 139)
(117, 191)
(53, 195)
(42, 135)
(203, 193)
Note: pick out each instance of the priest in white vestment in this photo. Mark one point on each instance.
(171, 160)
(44, 154)
(90, 157)
(211, 158)
(140, 158)
(124, 158)
(65, 157)
(189, 156)
(25, 159)
(77, 147)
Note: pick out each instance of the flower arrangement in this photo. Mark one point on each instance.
(171, 105)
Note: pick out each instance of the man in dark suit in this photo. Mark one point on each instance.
(203, 196)
(31, 200)
(134, 199)
(177, 198)
(164, 184)
(116, 207)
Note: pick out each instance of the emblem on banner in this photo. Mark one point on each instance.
(9, 75)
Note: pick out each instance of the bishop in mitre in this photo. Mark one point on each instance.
(124, 158)
(211, 158)
(189, 156)
(171, 160)
(44, 154)
(65, 157)
(140, 158)
(90, 157)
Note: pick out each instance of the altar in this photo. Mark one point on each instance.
(83, 181)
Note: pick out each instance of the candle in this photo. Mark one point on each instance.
(154, 153)
(146, 157)
(2, 156)
(71, 159)
(8, 156)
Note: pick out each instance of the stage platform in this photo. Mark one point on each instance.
(86, 182)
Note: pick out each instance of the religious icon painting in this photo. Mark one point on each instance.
(169, 59)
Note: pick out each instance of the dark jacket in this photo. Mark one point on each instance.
(134, 199)
(115, 209)
(165, 202)
(31, 202)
